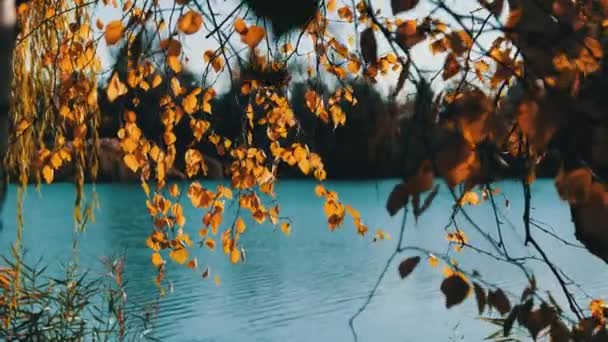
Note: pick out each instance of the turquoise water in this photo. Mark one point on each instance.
(304, 287)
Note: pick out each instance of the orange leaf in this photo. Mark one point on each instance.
(131, 162)
(235, 255)
(190, 22)
(179, 255)
(114, 32)
(240, 225)
(240, 26)
(115, 88)
(254, 36)
(286, 228)
(157, 260)
(47, 174)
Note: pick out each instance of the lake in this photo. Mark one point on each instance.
(304, 287)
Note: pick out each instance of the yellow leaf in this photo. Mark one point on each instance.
(189, 103)
(190, 22)
(354, 66)
(116, 88)
(174, 190)
(240, 225)
(433, 261)
(114, 32)
(254, 36)
(320, 190)
(179, 255)
(470, 197)
(157, 260)
(304, 166)
(156, 81)
(169, 138)
(331, 5)
(235, 255)
(597, 307)
(131, 162)
(175, 64)
(286, 228)
(48, 174)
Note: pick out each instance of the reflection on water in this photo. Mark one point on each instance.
(305, 287)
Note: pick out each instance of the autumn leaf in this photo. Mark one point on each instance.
(331, 5)
(559, 332)
(131, 162)
(480, 296)
(190, 22)
(408, 265)
(433, 260)
(240, 26)
(397, 199)
(495, 7)
(115, 88)
(508, 323)
(179, 255)
(114, 32)
(235, 255)
(48, 174)
(455, 289)
(240, 225)
(369, 48)
(157, 260)
(253, 36)
(192, 264)
(172, 47)
(403, 5)
(498, 300)
(450, 67)
(286, 228)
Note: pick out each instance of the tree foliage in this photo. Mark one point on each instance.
(519, 80)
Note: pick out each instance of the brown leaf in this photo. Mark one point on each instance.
(427, 201)
(397, 199)
(450, 67)
(559, 332)
(495, 7)
(480, 296)
(535, 321)
(455, 289)
(508, 325)
(498, 300)
(407, 266)
(369, 47)
(403, 5)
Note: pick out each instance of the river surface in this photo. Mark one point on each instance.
(304, 287)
